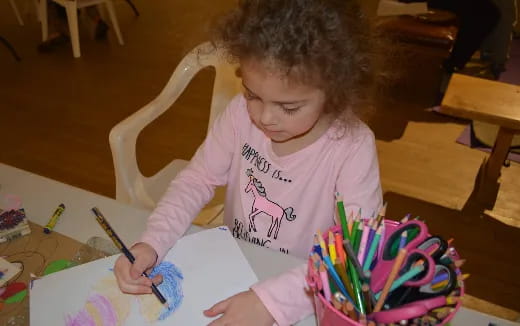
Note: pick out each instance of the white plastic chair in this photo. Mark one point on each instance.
(72, 6)
(131, 186)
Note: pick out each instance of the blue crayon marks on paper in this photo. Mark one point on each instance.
(171, 286)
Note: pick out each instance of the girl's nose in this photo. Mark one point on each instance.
(267, 117)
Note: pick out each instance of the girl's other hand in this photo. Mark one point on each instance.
(244, 308)
(129, 276)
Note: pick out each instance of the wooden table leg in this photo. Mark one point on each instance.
(488, 185)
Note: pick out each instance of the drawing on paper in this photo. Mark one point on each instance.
(108, 306)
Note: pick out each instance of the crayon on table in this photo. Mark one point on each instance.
(54, 219)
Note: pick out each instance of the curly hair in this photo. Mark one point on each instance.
(324, 43)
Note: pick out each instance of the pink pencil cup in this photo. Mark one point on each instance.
(328, 315)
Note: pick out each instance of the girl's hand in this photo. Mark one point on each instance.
(244, 308)
(129, 276)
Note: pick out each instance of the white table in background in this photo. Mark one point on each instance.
(41, 196)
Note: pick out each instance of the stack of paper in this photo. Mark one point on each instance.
(207, 266)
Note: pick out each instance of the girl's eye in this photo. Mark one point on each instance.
(290, 110)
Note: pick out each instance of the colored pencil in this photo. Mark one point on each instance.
(350, 223)
(404, 238)
(365, 288)
(359, 234)
(356, 285)
(342, 272)
(339, 247)
(382, 214)
(412, 272)
(332, 247)
(333, 274)
(325, 282)
(119, 244)
(351, 255)
(372, 249)
(317, 247)
(348, 309)
(363, 243)
(322, 243)
(355, 230)
(342, 216)
(393, 274)
(371, 233)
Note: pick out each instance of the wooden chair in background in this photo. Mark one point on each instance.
(492, 102)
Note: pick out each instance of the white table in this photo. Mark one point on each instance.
(41, 196)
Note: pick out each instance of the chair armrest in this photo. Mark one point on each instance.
(123, 136)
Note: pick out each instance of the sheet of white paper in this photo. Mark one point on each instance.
(211, 262)
(394, 7)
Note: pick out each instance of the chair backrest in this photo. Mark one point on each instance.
(131, 186)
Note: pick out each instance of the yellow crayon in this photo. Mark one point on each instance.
(54, 219)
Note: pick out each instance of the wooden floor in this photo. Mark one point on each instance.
(56, 113)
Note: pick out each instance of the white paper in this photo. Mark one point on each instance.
(211, 262)
(394, 7)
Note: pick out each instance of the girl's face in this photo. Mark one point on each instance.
(283, 109)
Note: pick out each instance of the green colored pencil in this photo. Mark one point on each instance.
(342, 216)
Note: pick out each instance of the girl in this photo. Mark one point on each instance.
(283, 148)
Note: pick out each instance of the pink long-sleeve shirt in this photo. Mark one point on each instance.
(272, 201)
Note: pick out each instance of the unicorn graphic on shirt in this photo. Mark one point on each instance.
(261, 204)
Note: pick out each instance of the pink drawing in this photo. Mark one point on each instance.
(262, 204)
